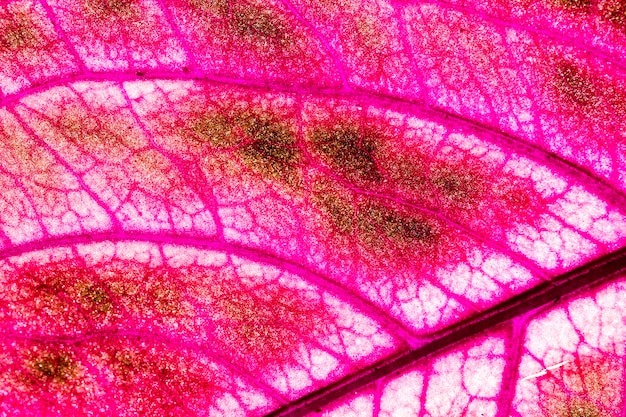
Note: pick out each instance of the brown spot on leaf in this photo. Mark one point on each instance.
(152, 292)
(95, 298)
(99, 135)
(57, 289)
(259, 25)
(56, 366)
(580, 408)
(216, 130)
(339, 210)
(270, 147)
(266, 145)
(127, 364)
(167, 301)
(458, 188)
(574, 84)
(50, 291)
(386, 233)
(267, 326)
(401, 228)
(79, 298)
(348, 151)
(574, 4)
(19, 32)
(104, 9)
(615, 12)
(214, 7)
(156, 379)
(369, 32)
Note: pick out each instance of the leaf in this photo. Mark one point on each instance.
(248, 207)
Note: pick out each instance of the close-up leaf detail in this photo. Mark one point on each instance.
(363, 208)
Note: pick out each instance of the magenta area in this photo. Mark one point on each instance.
(306, 207)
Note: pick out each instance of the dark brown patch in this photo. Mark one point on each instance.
(216, 130)
(95, 298)
(111, 8)
(398, 226)
(348, 151)
(404, 229)
(458, 189)
(259, 25)
(575, 4)
(214, 7)
(339, 211)
(56, 366)
(156, 293)
(270, 147)
(50, 291)
(127, 364)
(615, 12)
(575, 85)
(582, 409)
(18, 33)
(167, 301)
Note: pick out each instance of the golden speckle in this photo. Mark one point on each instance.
(19, 33)
(458, 189)
(259, 25)
(401, 228)
(615, 12)
(216, 130)
(103, 9)
(574, 4)
(575, 85)
(57, 367)
(339, 210)
(270, 147)
(348, 151)
(94, 298)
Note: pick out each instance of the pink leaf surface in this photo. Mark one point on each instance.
(274, 208)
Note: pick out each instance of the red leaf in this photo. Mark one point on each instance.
(370, 208)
